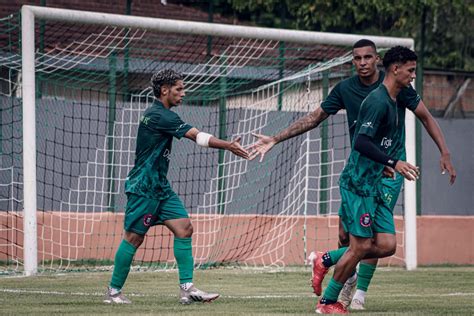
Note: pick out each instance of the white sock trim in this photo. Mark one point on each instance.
(186, 286)
(114, 291)
(360, 296)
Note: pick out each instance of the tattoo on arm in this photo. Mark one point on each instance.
(302, 125)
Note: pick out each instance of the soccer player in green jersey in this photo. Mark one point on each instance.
(378, 142)
(349, 94)
(150, 198)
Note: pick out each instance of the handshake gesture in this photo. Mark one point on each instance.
(265, 143)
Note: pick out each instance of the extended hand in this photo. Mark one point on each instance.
(407, 170)
(445, 164)
(261, 147)
(237, 149)
(389, 172)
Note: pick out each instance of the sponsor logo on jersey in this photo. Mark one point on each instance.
(167, 154)
(368, 125)
(145, 120)
(386, 142)
(365, 220)
(181, 126)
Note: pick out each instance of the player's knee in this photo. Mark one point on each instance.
(361, 248)
(188, 230)
(181, 228)
(391, 247)
(135, 239)
(391, 252)
(365, 248)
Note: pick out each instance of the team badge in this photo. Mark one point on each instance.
(365, 220)
(147, 219)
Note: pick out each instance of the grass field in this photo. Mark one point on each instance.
(426, 291)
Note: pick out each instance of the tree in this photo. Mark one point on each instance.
(448, 41)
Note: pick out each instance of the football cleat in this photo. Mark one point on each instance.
(195, 295)
(117, 298)
(357, 305)
(345, 297)
(335, 308)
(318, 271)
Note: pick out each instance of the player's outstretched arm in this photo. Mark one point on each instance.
(436, 134)
(208, 140)
(233, 146)
(261, 146)
(304, 124)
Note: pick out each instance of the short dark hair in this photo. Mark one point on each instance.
(398, 54)
(164, 77)
(364, 43)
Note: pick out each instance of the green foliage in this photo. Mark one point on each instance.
(448, 24)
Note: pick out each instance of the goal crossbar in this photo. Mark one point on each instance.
(29, 13)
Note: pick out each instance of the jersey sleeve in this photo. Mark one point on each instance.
(371, 117)
(169, 123)
(333, 102)
(409, 98)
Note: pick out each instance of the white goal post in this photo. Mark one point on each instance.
(28, 15)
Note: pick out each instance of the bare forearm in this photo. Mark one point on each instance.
(431, 127)
(436, 134)
(302, 125)
(215, 142)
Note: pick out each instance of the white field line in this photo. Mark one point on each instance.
(60, 293)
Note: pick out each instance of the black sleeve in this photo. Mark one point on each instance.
(367, 148)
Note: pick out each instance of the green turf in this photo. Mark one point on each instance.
(427, 291)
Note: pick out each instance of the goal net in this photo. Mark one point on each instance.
(90, 87)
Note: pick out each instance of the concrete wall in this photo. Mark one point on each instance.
(441, 239)
(437, 196)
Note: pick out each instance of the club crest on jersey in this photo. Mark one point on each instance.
(147, 219)
(365, 220)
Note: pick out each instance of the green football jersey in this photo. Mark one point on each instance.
(156, 130)
(382, 119)
(348, 94)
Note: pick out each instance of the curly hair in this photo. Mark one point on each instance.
(162, 78)
(398, 54)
